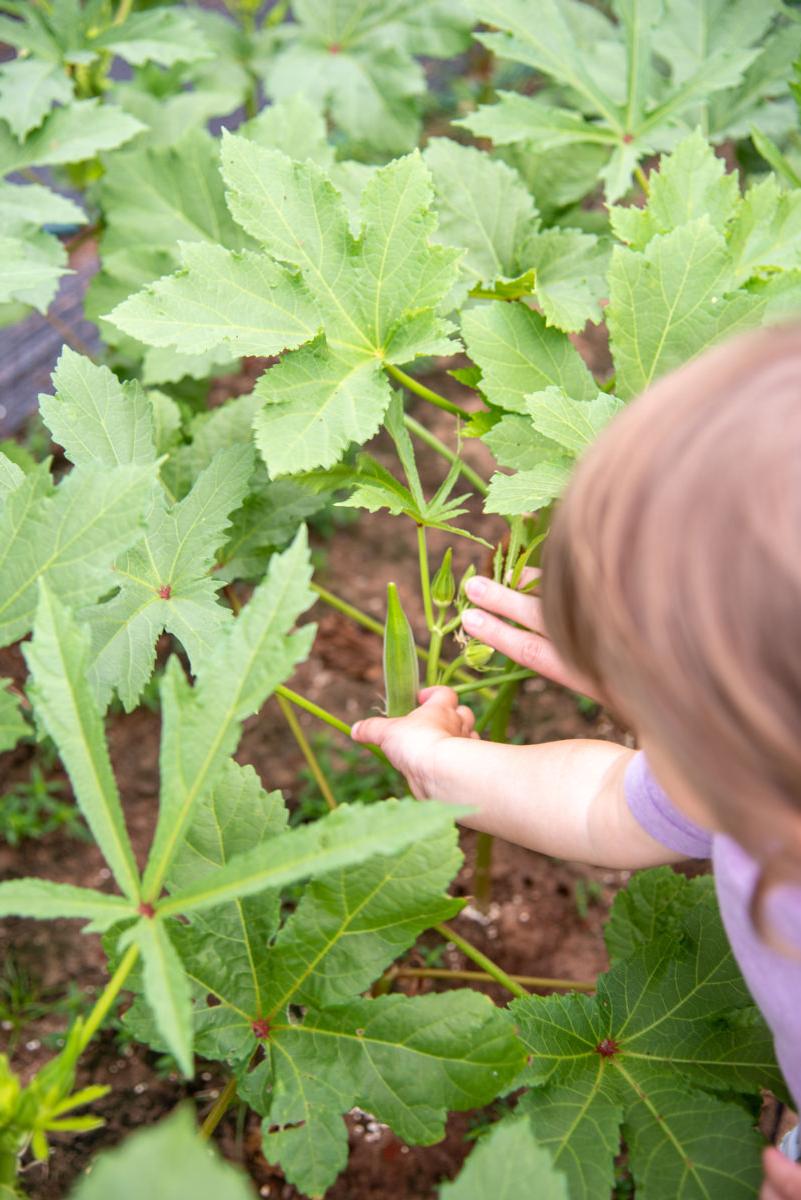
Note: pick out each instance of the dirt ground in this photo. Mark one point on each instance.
(545, 917)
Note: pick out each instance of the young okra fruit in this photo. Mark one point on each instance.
(401, 673)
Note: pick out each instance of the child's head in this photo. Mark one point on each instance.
(673, 580)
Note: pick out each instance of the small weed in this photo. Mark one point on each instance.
(34, 808)
(586, 893)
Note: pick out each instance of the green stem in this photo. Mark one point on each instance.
(642, 179)
(277, 13)
(486, 964)
(539, 981)
(425, 577)
(502, 707)
(311, 758)
(462, 689)
(323, 715)
(123, 12)
(107, 997)
(420, 389)
(445, 452)
(434, 648)
(72, 339)
(453, 667)
(221, 1106)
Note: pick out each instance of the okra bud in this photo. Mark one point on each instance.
(443, 585)
(401, 674)
(477, 654)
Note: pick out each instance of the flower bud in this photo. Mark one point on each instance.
(443, 585)
(477, 654)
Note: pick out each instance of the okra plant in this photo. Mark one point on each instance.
(349, 273)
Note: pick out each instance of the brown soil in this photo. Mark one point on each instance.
(534, 926)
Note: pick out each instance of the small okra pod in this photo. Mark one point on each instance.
(443, 585)
(401, 674)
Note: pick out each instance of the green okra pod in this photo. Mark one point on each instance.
(401, 674)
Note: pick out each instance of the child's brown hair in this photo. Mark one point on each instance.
(673, 580)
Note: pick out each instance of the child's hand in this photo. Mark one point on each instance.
(782, 1177)
(410, 743)
(528, 646)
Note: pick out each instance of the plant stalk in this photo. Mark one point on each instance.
(425, 577)
(445, 452)
(642, 179)
(538, 981)
(107, 997)
(311, 758)
(420, 389)
(502, 707)
(123, 12)
(434, 648)
(221, 1106)
(486, 964)
(323, 715)
(463, 689)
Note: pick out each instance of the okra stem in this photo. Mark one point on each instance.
(107, 997)
(323, 715)
(221, 1106)
(420, 389)
(311, 758)
(539, 981)
(472, 952)
(462, 689)
(425, 578)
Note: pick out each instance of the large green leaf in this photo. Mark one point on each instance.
(518, 354)
(58, 658)
(661, 1054)
(96, 418)
(165, 582)
(164, 36)
(168, 1160)
(68, 536)
(29, 87)
(250, 657)
(354, 59)
(166, 987)
(505, 1164)
(44, 900)
(376, 297)
(71, 134)
(612, 79)
(32, 266)
(31, 204)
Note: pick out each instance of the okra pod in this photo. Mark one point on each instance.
(401, 675)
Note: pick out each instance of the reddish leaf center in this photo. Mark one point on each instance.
(165, 591)
(261, 1028)
(608, 1048)
(335, 48)
(628, 138)
(146, 910)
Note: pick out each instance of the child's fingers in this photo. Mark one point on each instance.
(515, 606)
(372, 729)
(529, 574)
(782, 1177)
(468, 718)
(439, 697)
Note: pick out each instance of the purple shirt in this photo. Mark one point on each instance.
(773, 979)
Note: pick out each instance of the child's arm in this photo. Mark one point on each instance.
(561, 798)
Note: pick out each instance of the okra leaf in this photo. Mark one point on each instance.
(68, 536)
(31, 204)
(57, 659)
(163, 36)
(406, 1061)
(570, 276)
(505, 1164)
(518, 354)
(354, 60)
(69, 134)
(249, 305)
(165, 582)
(659, 1054)
(484, 208)
(544, 127)
(96, 418)
(516, 444)
(44, 900)
(766, 233)
(168, 1160)
(11, 476)
(13, 725)
(671, 301)
(202, 725)
(529, 490)
(166, 987)
(654, 903)
(29, 88)
(571, 424)
(343, 837)
(33, 264)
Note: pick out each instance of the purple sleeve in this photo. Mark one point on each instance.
(653, 810)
